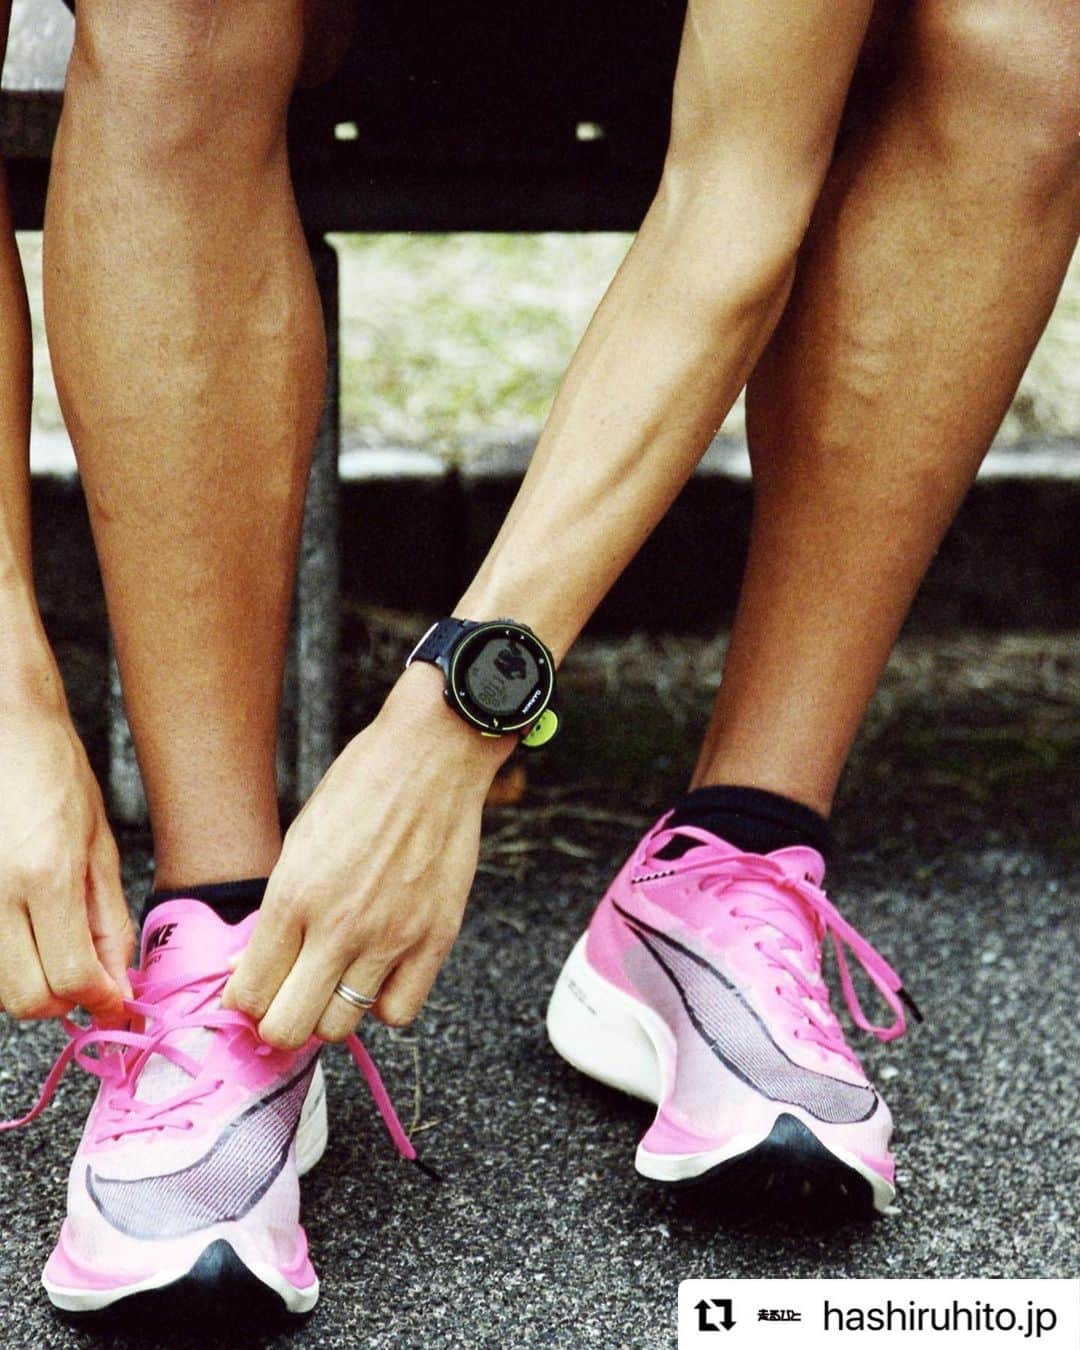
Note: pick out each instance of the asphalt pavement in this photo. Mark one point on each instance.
(960, 863)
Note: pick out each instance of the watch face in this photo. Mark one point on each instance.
(500, 673)
(502, 677)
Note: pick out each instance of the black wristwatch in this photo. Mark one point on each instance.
(500, 678)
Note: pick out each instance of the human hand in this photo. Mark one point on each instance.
(374, 873)
(67, 933)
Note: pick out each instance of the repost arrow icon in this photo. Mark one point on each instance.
(726, 1321)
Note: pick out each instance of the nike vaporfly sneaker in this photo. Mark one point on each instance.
(698, 986)
(186, 1179)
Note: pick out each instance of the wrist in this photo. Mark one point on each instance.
(556, 627)
(417, 703)
(29, 678)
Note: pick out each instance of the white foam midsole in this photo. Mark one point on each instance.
(312, 1131)
(93, 1300)
(606, 1033)
(614, 1038)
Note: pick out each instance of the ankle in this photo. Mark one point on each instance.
(751, 819)
(210, 865)
(232, 901)
(794, 783)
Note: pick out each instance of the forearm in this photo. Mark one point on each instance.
(664, 358)
(27, 670)
(758, 96)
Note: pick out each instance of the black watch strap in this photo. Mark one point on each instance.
(437, 640)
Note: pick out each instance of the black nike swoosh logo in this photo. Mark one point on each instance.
(739, 1038)
(224, 1184)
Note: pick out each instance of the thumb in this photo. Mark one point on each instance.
(111, 927)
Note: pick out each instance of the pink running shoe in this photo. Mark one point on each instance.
(698, 987)
(185, 1182)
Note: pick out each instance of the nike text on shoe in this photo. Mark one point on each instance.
(186, 1178)
(698, 987)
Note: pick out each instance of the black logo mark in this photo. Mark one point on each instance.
(726, 1322)
(160, 937)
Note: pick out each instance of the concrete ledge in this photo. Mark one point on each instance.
(1009, 561)
(413, 530)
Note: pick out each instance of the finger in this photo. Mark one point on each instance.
(24, 990)
(111, 928)
(308, 989)
(340, 1018)
(66, 951)
(265, 962)
(405, 991)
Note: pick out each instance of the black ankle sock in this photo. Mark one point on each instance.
(750, 818)
(230, 900)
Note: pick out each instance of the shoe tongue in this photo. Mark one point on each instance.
(684, 844)
(186, 938)
(183, 939)
(801, 862)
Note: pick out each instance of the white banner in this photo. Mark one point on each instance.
(893, 1314)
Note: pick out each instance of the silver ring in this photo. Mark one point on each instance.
(353, 996)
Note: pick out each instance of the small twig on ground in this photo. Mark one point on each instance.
(513, 921)
(561, 845)
(500, 846)
(510, 873)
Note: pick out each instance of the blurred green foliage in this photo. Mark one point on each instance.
(449, 340)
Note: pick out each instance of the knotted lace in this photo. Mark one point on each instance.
(784, 913)
(164, 1009)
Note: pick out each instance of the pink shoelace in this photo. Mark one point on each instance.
(798, 899)
(118, 1057)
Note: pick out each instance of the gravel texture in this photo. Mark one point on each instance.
(959, 863)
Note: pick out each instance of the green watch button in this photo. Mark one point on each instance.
(543, 730)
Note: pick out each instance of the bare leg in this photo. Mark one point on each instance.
(931, 267)
(185, 328)
(65, 934)
(16, 374)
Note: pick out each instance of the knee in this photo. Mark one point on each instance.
(177, 75)
(997, 85)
